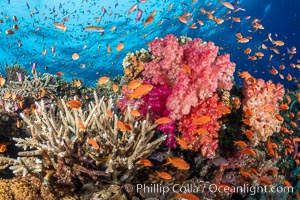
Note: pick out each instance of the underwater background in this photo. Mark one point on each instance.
(36, 33)
(117, 99)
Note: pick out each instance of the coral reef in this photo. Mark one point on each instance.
(91, 143)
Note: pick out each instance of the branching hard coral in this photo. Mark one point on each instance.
(32, 87)
(261, 108)
(8, 124)
(15, 72)
(14, 93)
(68, 144)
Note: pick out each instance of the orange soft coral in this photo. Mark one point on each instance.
(260, 108)
(200, 128)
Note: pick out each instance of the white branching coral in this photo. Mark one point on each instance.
(87, 142)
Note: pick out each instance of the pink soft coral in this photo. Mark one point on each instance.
(167, 63)
(208, 71)
(155, 102)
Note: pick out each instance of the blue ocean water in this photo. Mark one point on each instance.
(37, 34)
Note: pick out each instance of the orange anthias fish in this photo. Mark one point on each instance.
(227, 5)
(134, 84)
(59, 74)
(200, 22)
(163, 120)
(145, 162)
(187, 196)
(135, 113)
(103, 80)
(120, 46)
(287, 183)
(247, 51)
(279, 117)
(141, 91)
(201, 120)
(249, 151)
(240, 143)
(259, 54)
(115, 87)
(149, 20)
(164, 175)
(278, 43)
(182, 19)
(132, 8)
(246, 175)
(236, 19)
(177, 162)
(243, 40)
(244, 75)
(252, 58)
(3, 148)
(265, 180)
(2, 81)
(113, 28)
(224, 109)
(81, 126)
(74, 104)
(201, 131)
(186, 69)
(249, 134)
(93, 142)
(60, 26)
(127, 71)
(239, 35)
(123, 126)
(219, 20)
(284, 106)
(75, 56)
(108, 48)
(109, 113)
(289, 77)
(182, 143)
(9, 32)
(273, 71)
